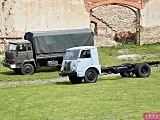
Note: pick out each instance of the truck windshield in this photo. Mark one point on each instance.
(11, 47)
(71, 55)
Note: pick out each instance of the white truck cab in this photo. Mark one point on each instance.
(81, 63)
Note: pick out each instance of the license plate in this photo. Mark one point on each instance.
(13, 66)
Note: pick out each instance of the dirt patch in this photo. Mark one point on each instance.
(35, 82)
(47, 81)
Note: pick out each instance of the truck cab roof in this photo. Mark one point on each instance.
(82, 47)
(21, 41)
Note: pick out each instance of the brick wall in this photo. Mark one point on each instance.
(90, 4)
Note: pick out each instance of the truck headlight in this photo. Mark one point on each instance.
(61, 68)
(74, 67)
(13, 60)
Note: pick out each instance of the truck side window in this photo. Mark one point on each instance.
(29, 47)
(85, 54)
(21, 47)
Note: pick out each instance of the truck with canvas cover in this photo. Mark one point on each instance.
(44, 48)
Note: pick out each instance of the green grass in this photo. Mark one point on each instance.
(108, 55)
(43, 73)
(110, 98)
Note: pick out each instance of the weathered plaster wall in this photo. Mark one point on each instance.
(1, 17)
(150, 22)
(19, 16)
(150, 15)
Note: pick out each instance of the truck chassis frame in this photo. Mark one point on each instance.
(129, 69)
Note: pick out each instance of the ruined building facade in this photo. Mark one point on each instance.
(109, 19)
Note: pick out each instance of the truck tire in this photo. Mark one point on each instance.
(142, 70)
(27, 69)
(74, 79)
(91, 76)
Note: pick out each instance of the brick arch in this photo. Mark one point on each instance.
(131, 4)
(90, 4)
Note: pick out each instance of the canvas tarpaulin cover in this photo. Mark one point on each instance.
(60, 40)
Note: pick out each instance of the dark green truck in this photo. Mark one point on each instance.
(44, 48)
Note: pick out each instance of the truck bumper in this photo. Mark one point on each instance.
(65, 73)
(11, 66)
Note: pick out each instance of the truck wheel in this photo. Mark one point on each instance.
(127, 74)
(142, 70)
(27, 69)
(74, 79)
(90, 76)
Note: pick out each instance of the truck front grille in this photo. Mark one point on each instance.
(8, 61)
(67, 66)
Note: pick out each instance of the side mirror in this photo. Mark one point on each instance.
(63, 57)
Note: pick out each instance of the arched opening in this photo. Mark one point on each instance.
(113, 23)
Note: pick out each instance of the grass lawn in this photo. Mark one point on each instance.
(110, 98)
(108, 55)
(7, 74)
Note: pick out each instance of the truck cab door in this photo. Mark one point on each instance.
(84, 61)
(24, 52)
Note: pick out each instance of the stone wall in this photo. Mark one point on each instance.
(117, 24)
(150, 35)
(116, 19)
